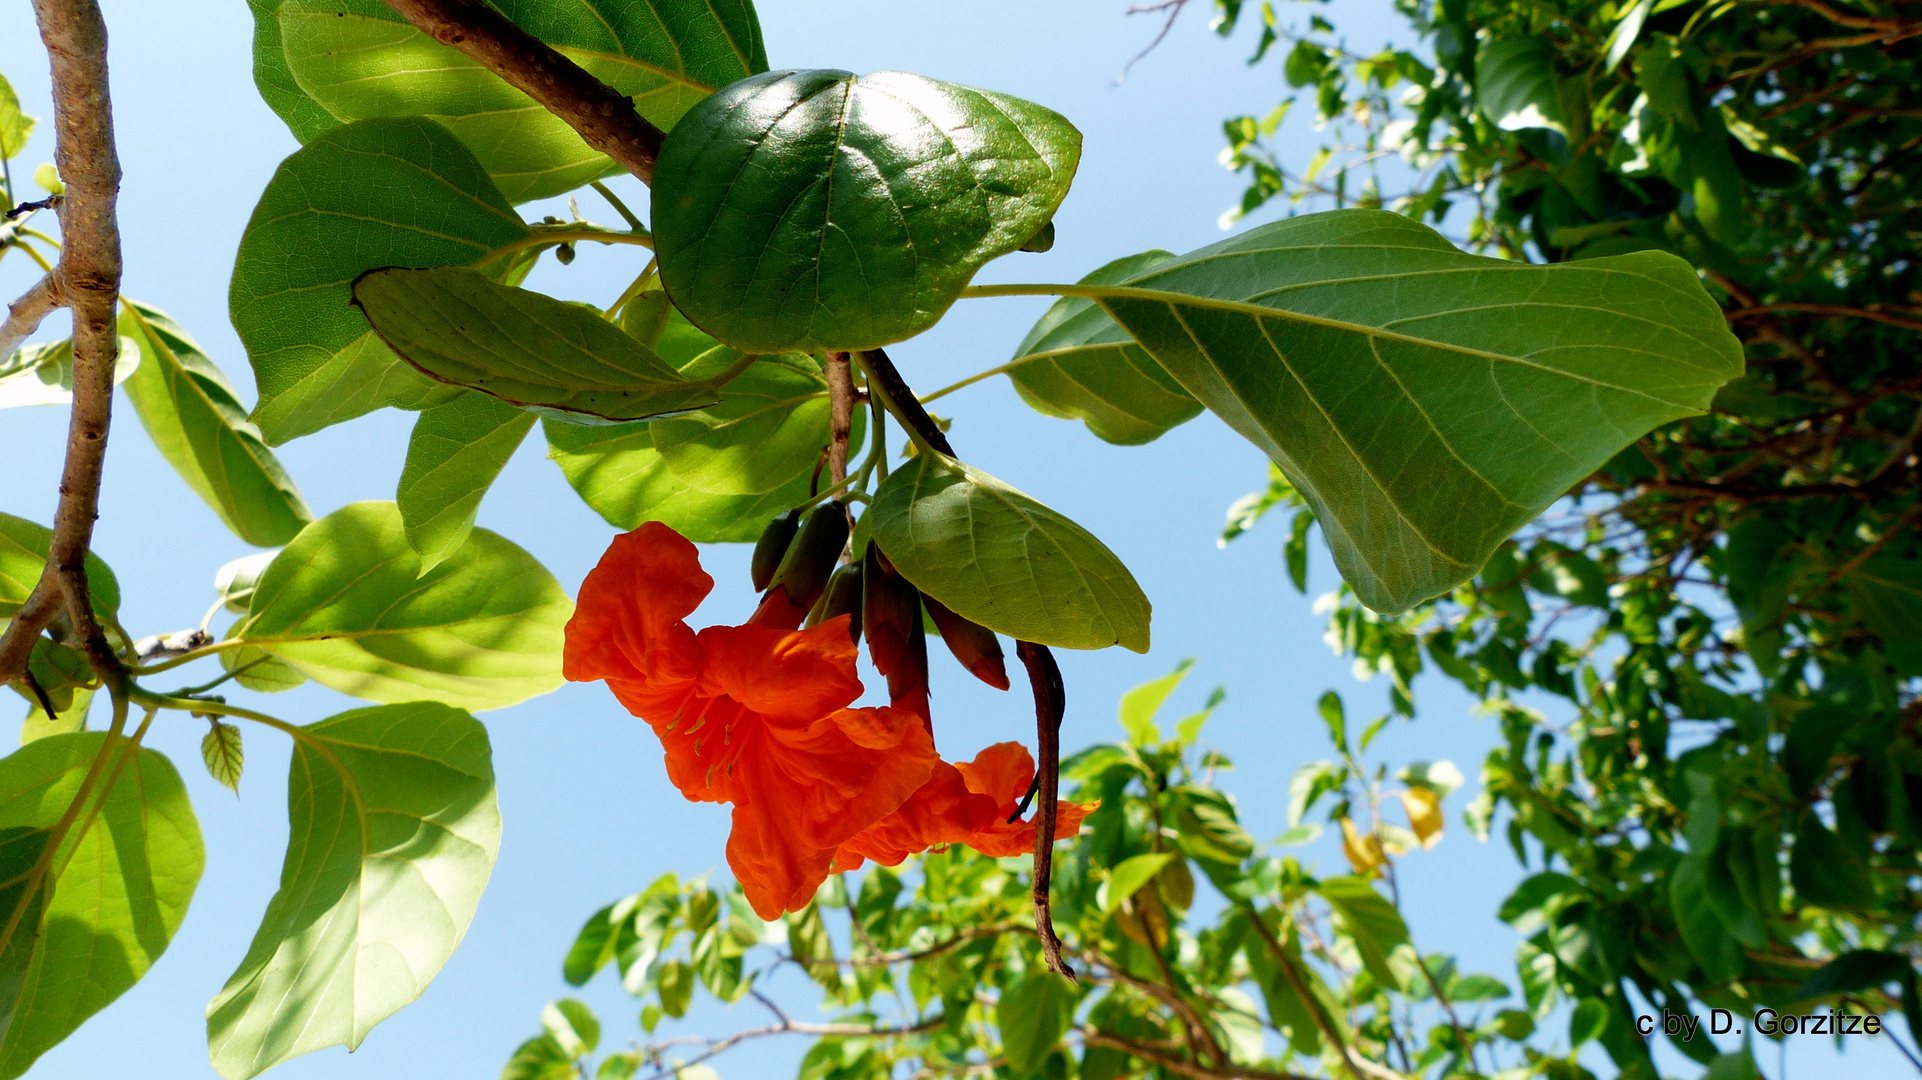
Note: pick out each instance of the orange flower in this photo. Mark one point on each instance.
(966, 803)
(755, 716)
(1003, 772)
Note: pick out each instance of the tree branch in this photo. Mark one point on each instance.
(1228, 1070)
(87, 280)
(25, 315)
(840, 375)
(604, 118)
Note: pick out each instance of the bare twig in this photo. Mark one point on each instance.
(605, 119)
(87, 281)
(1823, 311)
(1173, 8)
(783, 1027)
(25, 314)
(1227, 1070)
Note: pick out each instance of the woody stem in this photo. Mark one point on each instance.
(840, 414)
(1050, 703)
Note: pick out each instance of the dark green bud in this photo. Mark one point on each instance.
(772, 545)
(804, 570)
(843, 597)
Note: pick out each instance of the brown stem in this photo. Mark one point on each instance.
(840, 414)
(604, 118)
(1050, 704)
(25, 314)
(1228, 1070)
(87, 280)
(894, 390)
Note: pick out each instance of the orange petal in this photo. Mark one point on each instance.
(629, 624)
(1001, 839)
(800, 793)
(1002, 771)
(794, 676)
(941, 811)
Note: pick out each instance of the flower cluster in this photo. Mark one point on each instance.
(760, 717)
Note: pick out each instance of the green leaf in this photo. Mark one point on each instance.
(1825, 872)
(43, 374)
(333, 61)
(123, 888)
(23, 552)
(348, 605)
(1515, 84)
(1426, 403)
(573, 1025)
(868, 203)
(190, 410)
(1127, 878)
(997, 557)
(392, 834)
(1335, 716)
(557, 359)
(234, 582)
(372, 194)
(1369, 920)
(1139, 706)
(16, 127)
(66, 720)
(1033, 1017)
(1585, 1024)
(1205, 823)
(221, 751)
(257, 669)
(767, 432)
(1078, 365)
(617, 472)
(455, 453)
(540, 1058)
(1886, 592)
(1702, 929)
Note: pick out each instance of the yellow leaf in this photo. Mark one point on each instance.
(1424, 815)
(1364, 852)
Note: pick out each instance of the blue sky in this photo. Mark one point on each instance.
(589, 813)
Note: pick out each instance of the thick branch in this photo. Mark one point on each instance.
(88, 282)
(605, 119)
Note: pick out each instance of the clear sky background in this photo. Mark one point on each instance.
(589, 815)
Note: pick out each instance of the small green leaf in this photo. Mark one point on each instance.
(23, 553)
(16, 127)
(869, 202)
(195, 419)
(1585, 1024)
(1825, 872)
(1033, 1017)
(1127, 878)
(125, 886)
(1424, 423)
(1701, 927)
(1205, 822)
(1335, 717)
(43, 374)
(372, 194)
(997, 557)
(234, 582)
(767, 432)
(257, 669)
(221, 751)
(540, 1058)
(1369, 920)
(530, 350)
(1515, 84)
(617, 472)
(322, 62)
(573, 1025)
(1078, 365)
(48, 178)
(455, 453)
(393, 831)
(348, 605)
(1139, 706)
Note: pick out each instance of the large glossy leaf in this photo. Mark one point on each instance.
(348, 605)
(1078, 365)
(393, 830)
(118, 890)
(999, 558)
(195, 419)
(23, 552)
(324, 62)
(525, 348)
(768, 430)
(814, 210)
(1427, 403)
(371, 194)
(455, 453)
(617, 472)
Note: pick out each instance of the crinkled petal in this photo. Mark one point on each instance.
(791, 676)
(1001, 839)
(941, 811)
(629, 624)
(800, 793)
(1003, 772)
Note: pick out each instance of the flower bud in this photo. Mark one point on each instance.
(897, 642)
(772, 545)
(843, 597)
(805, 569)
(971, 643)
